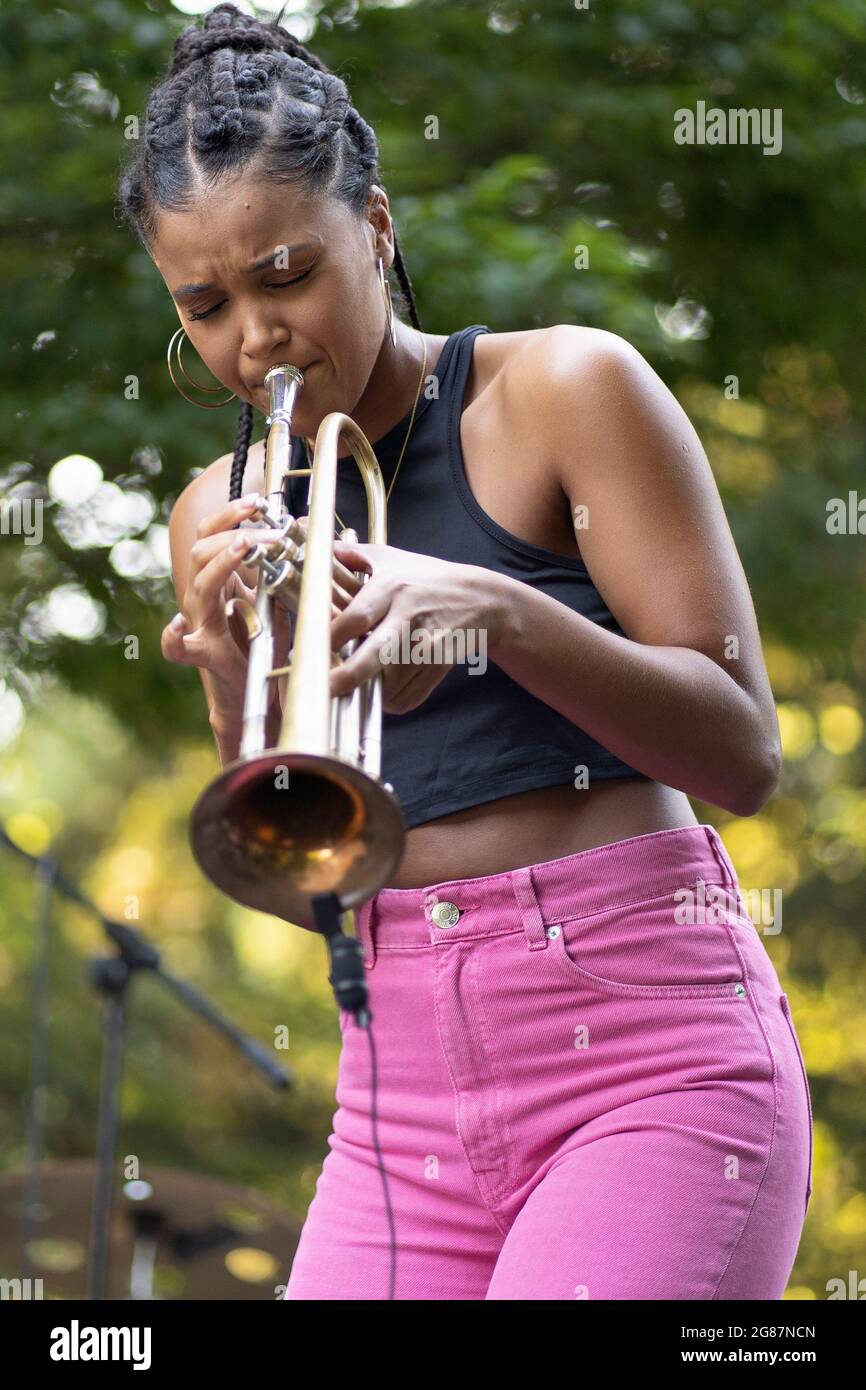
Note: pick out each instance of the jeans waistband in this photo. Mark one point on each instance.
(528, 899)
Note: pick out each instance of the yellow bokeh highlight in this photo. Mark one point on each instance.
(788, 670)
(18, 775)
(840, 728)
(825, 1048)
(267, 946)
(30, 832)
(747, 418)
(250, 1265)
(132, 868)
(797, 730)
(747, 468)
(851, 1217)
(761, 858)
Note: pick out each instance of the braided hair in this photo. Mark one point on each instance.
(241, 92)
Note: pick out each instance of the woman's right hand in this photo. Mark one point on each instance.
(211, 571)
(201, 634)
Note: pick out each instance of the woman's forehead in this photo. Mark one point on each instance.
(243, 205)
(241, 224)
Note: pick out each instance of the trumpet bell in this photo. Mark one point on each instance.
(275, 829)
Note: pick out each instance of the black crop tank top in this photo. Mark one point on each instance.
(479, 735)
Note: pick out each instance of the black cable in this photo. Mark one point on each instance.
(374, 1089)
(349, 983)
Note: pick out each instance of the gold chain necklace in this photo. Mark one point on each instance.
(405, 441)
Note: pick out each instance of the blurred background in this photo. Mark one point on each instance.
(738, 274)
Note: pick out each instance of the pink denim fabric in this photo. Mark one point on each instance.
(580, 1095)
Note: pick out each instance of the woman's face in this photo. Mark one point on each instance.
(261, 274)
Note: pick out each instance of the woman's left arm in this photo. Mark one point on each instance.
(685, 697)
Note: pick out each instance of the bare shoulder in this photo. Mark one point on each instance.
(589, 394)
(552, 350)
(533, 368)
(546, 393)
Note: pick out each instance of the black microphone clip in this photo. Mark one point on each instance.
(347, 977)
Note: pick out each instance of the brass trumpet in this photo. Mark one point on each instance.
(311, 815)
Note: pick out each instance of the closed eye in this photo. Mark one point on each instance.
(271, 285)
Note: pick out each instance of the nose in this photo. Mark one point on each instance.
(262, 337)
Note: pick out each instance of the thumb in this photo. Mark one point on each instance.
(171, 641)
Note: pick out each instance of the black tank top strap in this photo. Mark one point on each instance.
(479, 735)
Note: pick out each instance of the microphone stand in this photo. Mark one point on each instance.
(111, 976)
(37, 1080)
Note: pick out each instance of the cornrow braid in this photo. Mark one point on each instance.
(243, 434)
(242, 93)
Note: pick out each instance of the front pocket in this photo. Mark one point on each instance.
(643, 950)
(786, 1010)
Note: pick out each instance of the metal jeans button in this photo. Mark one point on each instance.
(445, 914)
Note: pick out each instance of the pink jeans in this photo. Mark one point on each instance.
(589, 1086)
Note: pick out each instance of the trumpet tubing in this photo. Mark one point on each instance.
(309, 815)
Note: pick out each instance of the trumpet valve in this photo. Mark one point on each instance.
(284, 583)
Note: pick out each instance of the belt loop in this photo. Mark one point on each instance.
(723, 859)
(527, 901)
(364, 931)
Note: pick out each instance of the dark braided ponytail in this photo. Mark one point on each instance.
(244, 94)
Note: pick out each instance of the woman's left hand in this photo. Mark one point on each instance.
(407, 595)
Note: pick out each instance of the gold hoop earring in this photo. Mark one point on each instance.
(389, 306)
(211, 390)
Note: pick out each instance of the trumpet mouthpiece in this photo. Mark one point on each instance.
(283, 383)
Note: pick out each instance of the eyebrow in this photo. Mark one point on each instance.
(186, 291)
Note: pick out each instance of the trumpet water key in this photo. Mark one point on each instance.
(310, 816)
